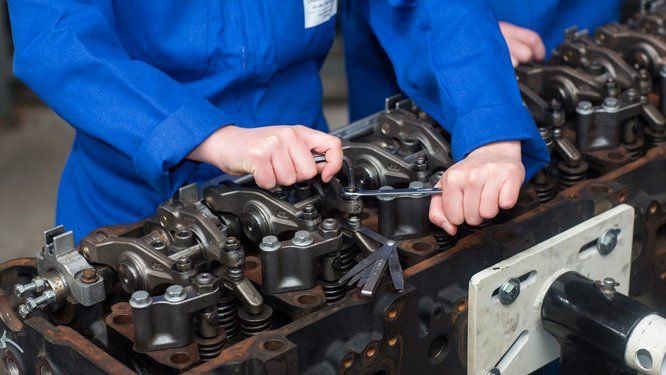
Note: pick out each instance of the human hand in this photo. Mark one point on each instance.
(524, 44)
(475, 188)
(274, 155)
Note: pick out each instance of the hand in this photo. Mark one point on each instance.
(476, 188)
(274, 155)
(525, 45)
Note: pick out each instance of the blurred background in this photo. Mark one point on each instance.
(35, 142)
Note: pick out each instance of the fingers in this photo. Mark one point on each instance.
(326, 144)
(453, 183)
(303, 163)
(508, 195)
(489, 201)
(472, 196)
(524, 44)
(437, 217)
(261, 166)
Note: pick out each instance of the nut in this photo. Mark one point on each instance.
(204, 283)
(607, 242)
(509, 291)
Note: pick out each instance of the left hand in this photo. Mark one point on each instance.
(475, 188)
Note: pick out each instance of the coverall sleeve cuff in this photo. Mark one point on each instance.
(501, 123)
(173, 139)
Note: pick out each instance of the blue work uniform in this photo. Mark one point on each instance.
(145, 82)
(369, 71)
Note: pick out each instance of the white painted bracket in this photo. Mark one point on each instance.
(510, 337)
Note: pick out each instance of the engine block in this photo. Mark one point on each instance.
(229, 278)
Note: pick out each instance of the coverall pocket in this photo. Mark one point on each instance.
(174, 40)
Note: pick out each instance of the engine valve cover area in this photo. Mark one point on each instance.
(228, 278)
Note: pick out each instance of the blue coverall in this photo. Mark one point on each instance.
(145, 82)
(369, 70)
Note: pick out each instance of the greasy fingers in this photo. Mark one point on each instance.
(476, 188)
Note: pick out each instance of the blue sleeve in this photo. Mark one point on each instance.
(67, 53)
(451, 59)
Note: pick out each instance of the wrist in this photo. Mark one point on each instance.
(209, 150)
(511, 149)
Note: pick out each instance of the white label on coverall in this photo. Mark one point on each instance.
(319, 11)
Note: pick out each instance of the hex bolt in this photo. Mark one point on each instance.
(302, 238)
(44, 299)
(184, 264)
(509, 291)
(235, 274)
(584, 106)
(89, 276)
(607, 242)
(611, 103)
(269, 243)
(416, 185)
(330, 224)
(175, 293)
(36, 285)
(24, 311)
(140, 299)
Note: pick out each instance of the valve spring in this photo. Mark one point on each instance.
(545, 192)
(210, 348)
(227, 312)
(333, 291)
(570, 176)
(635, 150)
(444, 240)
(654, 139)
(252, 325)
(345, 260)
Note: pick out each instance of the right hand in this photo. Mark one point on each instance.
(524, 44)
(274, 155)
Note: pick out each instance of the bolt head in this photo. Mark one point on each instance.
(607, 242)
(509, 291)
(584, 105)
(611, 103)
(140, 298)
(416, 185)
(302, 238)
(31, 303)
(175, 293)
(24, 311)
(269, 243)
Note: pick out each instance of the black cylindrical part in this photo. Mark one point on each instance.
(577, 311)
